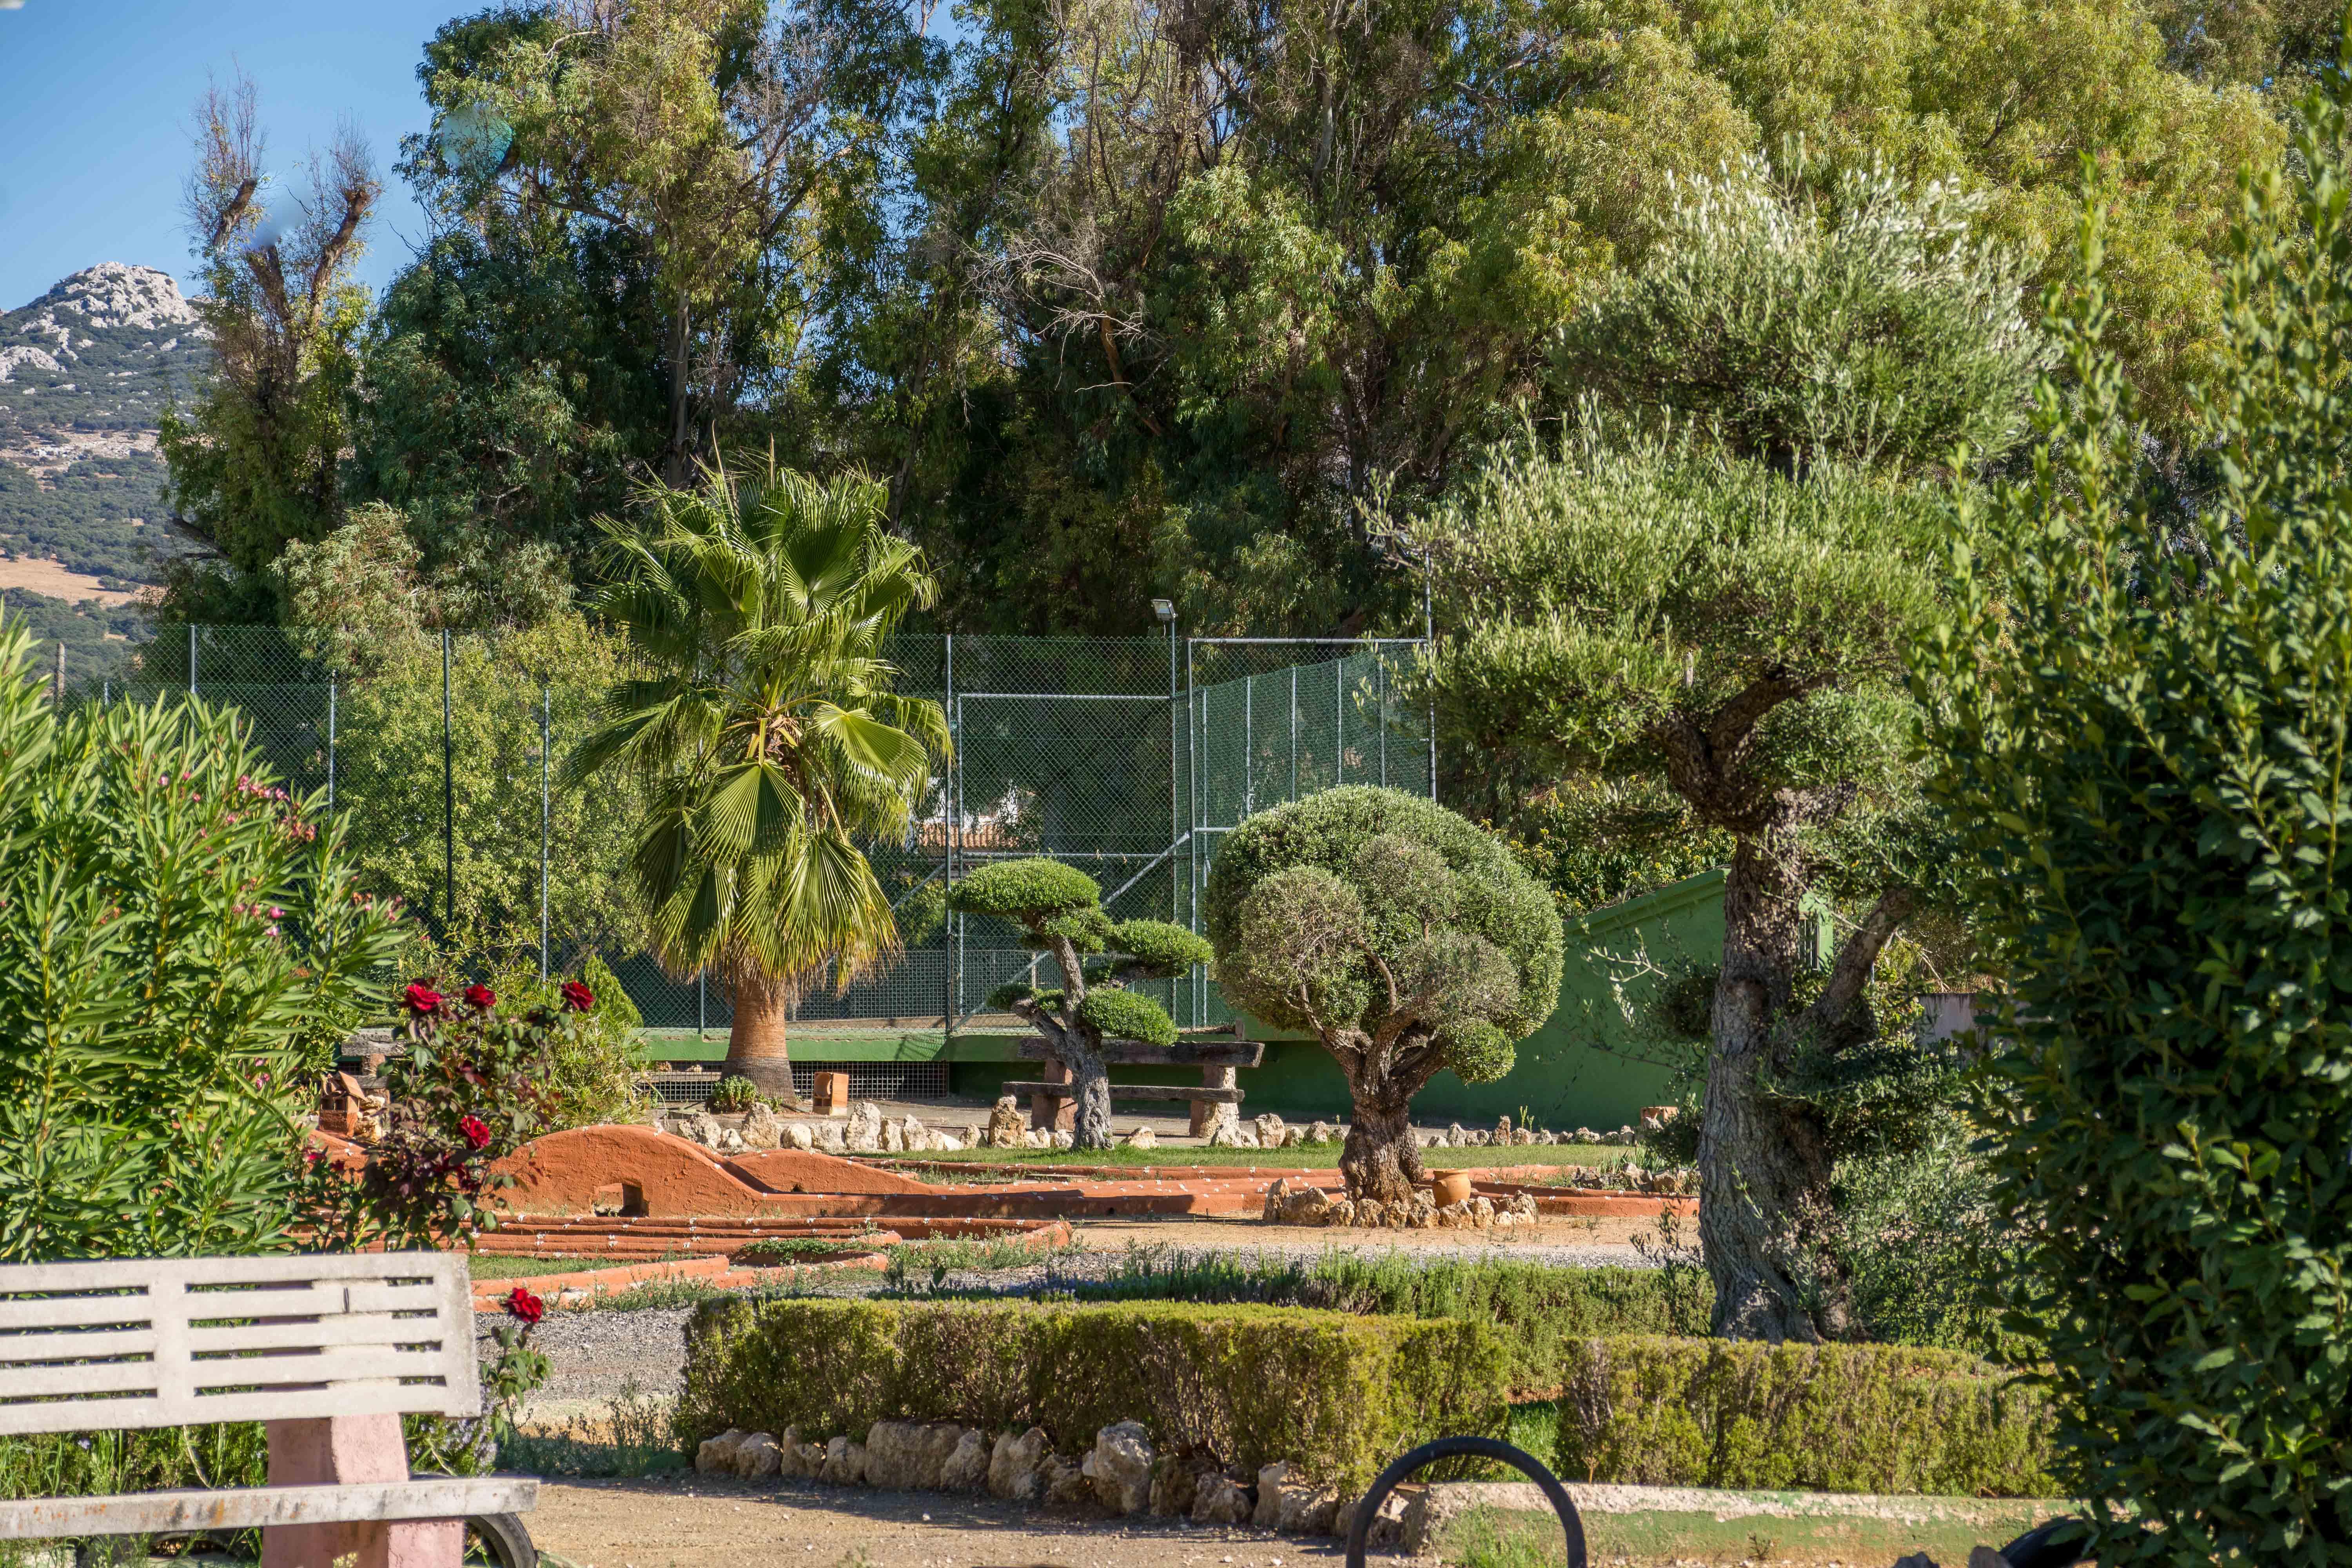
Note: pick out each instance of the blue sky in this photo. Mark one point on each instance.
(94, 103)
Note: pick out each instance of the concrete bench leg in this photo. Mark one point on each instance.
(1208, 1113)
(351, 1448)
(1058, 1113)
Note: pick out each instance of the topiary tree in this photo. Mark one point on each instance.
(1059, 910)
(2145, 757)
(1404, 935)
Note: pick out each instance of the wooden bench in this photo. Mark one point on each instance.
(1217, 1055)
(329, 1353)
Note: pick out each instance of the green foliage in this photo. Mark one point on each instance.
(1862, 325)
(765, 730)
(1307, 903)
(1025, 892)
(186, 946)
(102, 1463)
(1124, 1016)
(1160, 950)
(80, 515)
(1338, 1395)
(2144, 758)
(1855, 1418)
(1000, 998)
(734, 1093)
(594, 1063)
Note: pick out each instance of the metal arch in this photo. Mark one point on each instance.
(1359, 1528)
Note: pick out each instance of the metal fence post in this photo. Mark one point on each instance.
(448, 802)
(950, 933)
(701, 1003)
(192, 658)
(1339, 721)
(546, 730)
(330, 743)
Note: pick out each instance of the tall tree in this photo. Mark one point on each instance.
(1724, 608)
(766, 735)
(256, 463)
(706, 139)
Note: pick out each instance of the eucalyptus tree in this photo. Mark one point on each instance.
(765, 732)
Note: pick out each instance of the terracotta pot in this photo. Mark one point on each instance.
(1451, 1187)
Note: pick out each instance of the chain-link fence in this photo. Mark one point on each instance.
(1130, 758)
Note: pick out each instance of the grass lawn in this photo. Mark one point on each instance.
(1317, 1157)
(496, 1265)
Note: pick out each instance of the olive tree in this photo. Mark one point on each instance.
(1058, 911)
(1405, 936)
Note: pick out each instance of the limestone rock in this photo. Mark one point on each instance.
(1523, 1138)
(914, 1137)
(1455, 1138)
(699, 1127)
(909, 1455)
(966, 1469)
(1288, 1502)
(1523, 1208)
(1502, 1130)
(845, 1463)
(1006, 1124)
(1174, 1482)
(718, 1454)
(1220, 1499)
(1319, 1133)
(762, 1128)
(1294, 1202)
(758, 1455)
(730, 1142)
(1547, 1138)
(894, 1138)
(796, 1135)
(1066, 1483)
(788, 1454)
(1388, 1527)
(808, 1460)
(1014, 1466)
(1143, 1138)
(1036, 1138)
(1065, 1139)
(947, 1142)
(830, 1137)
(1586, 1135)
(1233, 1136)
(864, 1132)
(1269, 1129)
(1121, 1467)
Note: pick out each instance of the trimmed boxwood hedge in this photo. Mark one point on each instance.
(1339, 1394)
(1342, 1395)
(1852, 1418)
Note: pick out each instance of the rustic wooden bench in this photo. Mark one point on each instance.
(1217, 1055)
(328, 1351)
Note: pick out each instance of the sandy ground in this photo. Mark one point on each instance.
(44, 576)
(702, 1523)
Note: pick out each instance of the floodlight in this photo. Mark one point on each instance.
(1165, 609)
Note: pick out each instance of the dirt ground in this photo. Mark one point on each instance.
(702, 1521)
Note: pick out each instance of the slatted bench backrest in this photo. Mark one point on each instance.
(172, 1341)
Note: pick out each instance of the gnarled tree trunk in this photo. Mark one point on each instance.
(1090, 1088)
(755, 1041)
(1380, 1159)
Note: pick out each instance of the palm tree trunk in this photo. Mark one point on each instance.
(755, 1041)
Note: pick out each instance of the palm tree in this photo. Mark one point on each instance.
(762, 721)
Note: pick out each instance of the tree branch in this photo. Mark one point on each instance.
(1859, 956)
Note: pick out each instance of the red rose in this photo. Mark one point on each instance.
(423, 1000)
(481, 996)
(526, 1306)
(577, 997)
(477, 1130)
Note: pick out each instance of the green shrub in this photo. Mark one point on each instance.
(734, 1093)
(1019, 890)
(1124, 1016)
(1342, 1395)
(184, 946)
(1870, 1418)
(1160, 950)
(594, 1066)
(2144, 759)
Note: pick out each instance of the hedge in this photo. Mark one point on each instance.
(1866, 1418)
(1338, 1395)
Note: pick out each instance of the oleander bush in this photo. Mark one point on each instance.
(1340, 1395)
(1851, 1418)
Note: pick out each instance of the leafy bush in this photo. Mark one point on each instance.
(1124, 1016)
(734, 1093)
(2145, 760)
(184, 946)
(1342, 1395)
(1020, 890)
(1870, 1418)
(472, 1088)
